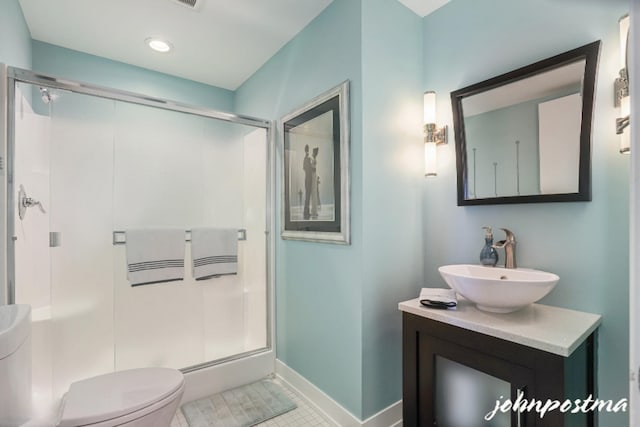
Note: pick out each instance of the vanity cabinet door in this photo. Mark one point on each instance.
(452, 377)
(459, 387)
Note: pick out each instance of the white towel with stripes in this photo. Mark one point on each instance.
(155, 255)
(214, 252)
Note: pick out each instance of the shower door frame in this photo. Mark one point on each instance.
(11, 76)
(4, 138)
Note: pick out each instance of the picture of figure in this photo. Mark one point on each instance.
(314, 184)
(318, 192)
(308, 180)
(315, 147)
(310, 156)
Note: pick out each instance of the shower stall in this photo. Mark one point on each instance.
(85, 164)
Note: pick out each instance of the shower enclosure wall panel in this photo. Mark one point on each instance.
(32, 171)
(159, 168)
(31, 160)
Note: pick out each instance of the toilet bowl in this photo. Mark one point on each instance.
(144, 397)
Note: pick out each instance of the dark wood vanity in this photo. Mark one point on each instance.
(544, 352)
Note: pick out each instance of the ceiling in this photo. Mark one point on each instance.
(537, 87)
(424, 7)
(219, 42)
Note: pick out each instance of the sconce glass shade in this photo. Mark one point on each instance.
(432, 134)
(429, 107)
(623, 91)
(624, 31)
(430, 160)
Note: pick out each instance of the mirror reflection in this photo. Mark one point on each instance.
(524, 138)
(525, 135)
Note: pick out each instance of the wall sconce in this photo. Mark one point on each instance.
(621, 89)
(433, 136)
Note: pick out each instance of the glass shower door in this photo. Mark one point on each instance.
(182, 171)
(157, 185)
(81, 192)
(64, 160)
(99, 167)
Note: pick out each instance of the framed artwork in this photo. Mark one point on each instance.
(315, 169)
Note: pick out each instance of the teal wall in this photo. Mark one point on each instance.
(74, 65)
(319, 286)
(585, 243)
(15, 40)
(493, 135)
(337, 319)
(392, 175)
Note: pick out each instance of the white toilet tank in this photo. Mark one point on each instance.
(15, 364)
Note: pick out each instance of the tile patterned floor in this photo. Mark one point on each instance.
(304, 415)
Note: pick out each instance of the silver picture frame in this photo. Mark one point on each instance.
(315, 186)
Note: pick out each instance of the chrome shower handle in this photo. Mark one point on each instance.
(25, 202)
(29, 203)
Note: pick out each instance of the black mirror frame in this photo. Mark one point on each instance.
(590, 54)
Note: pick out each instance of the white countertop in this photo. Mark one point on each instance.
(551, 329)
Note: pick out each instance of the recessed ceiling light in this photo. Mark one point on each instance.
(158, 45)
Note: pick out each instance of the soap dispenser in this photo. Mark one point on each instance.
(488, 254)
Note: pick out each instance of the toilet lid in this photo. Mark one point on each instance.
(116, 394)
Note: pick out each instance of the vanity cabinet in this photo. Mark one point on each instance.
(463, 361)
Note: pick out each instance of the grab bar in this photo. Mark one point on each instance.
(120, 237)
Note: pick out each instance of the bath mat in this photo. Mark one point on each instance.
(240, 407)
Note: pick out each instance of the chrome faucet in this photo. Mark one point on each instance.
(509, 245)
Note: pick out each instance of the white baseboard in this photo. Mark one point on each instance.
(391, 416)
(332, 410)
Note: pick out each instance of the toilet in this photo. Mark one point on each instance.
(145, 397)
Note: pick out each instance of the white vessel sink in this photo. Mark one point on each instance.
(497, 289)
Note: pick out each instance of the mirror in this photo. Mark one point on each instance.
(525, 136)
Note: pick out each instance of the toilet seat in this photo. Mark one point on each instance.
(119, 397)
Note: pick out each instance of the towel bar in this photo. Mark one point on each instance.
(119, 237)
